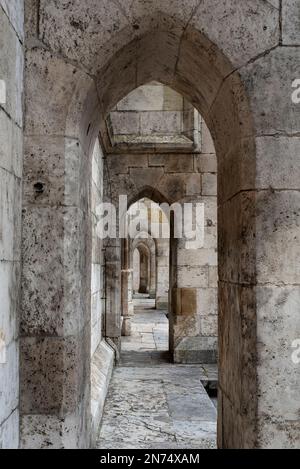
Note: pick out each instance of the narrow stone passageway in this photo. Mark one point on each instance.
(151, 403)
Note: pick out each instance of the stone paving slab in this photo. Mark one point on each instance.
(153, 404)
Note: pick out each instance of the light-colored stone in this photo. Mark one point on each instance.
(9, 432)
(209, 184)
(101, 371)
(291, 22)
(15, 12)
(11, 67)
(11, 151)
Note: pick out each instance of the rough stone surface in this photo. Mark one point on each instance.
(291, 22)
(11, 165)
(152, 403)
(235, 62)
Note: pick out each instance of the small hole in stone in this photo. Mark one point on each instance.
(89, 128)
(39, 187)
(136, 26)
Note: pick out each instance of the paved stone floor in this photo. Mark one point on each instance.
(151, 403)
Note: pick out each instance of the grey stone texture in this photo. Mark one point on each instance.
(152, 403)
(235, 62)
(11, 166)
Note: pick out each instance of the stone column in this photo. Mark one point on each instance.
(162, 273)
(152, 283)
(112, 323)
(126, 285)
(11, 166)
(193, 290)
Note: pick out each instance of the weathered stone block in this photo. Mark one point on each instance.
(51, 431)
(197, 257)
(238, 166)
(11, 149)
(173, 187)
(10, 274)
(168, 122)
(196, 350)
(278, 162)
(207, 144)
(9, 382)
(144, 177)
(209, 184)
(254, 27)
(209, 326)
(188, 301)
(53, 96)
(56, 172)
(173, 163)
(151, 97)
(278, 326)
(11, 68)
(193, 185)
(192, 277)
(9, 432)
(236, 242)
(278, 225)
(213, 277)
(126, 123)
(69, 26)
(63, 364)
(237, 377)
(153, 66)
(101, 371)
(271, 99)
(55, 263)
(15, 12)
(10, 216)
(291, 22)
(120, 164)
(207, 302)
(206, 163)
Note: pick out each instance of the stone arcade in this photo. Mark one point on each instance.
(162, 101)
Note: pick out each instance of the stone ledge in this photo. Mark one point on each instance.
(101, 371)
(193, 350)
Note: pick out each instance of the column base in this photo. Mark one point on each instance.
(126, 326)
(196, 350)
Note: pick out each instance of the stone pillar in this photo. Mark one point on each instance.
(136, 270)
(127, 302)
(127, 289)
(55, 323)
(193, 314)
(152, 283)
(162, 273)
(11, 166)
(144, 271)
(112, 323)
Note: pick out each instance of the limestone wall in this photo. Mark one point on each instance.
(153, 221)
(102, 354)
(181, 177)
(11, 157)
(97, 274)
(154, 114)
(81, 61)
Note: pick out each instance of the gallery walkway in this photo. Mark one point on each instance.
(151, 403)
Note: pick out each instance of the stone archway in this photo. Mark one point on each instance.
(144, 269)
(148, 243)
(229, 78)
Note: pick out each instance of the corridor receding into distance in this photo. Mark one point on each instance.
(152, 403)
(149, 224)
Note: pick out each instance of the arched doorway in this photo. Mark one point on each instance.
(227, 79)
